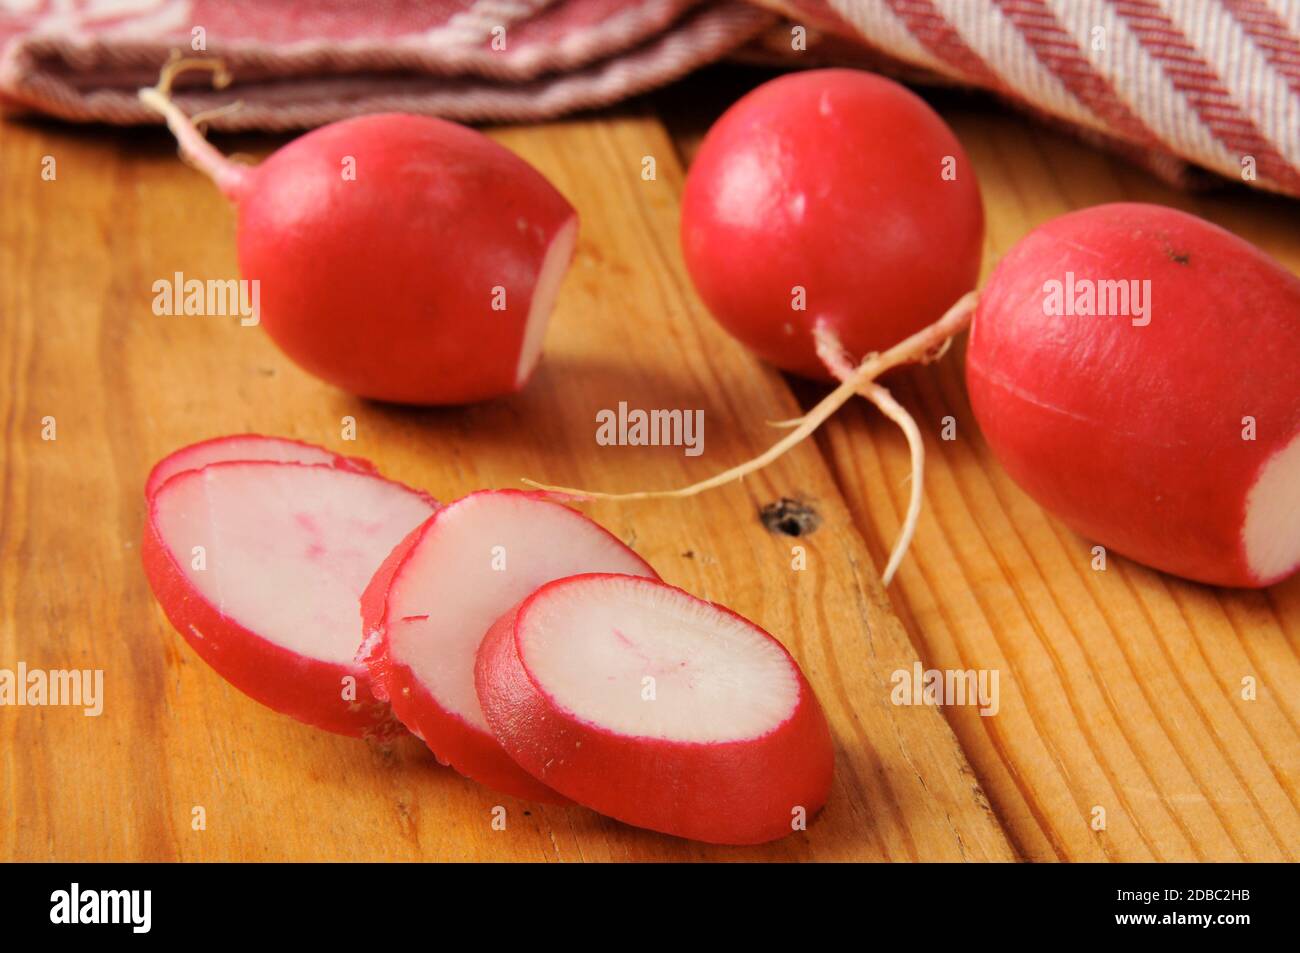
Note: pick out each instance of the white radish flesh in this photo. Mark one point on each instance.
(1271, 535)
(427, 611)
(261, 566)
(593, 656)
(555, 264)
(642, 702)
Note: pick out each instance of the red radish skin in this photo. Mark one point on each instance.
(1133, 435)
(384, 286)
(289, 549)
(832, 217)
(730, 749)
(249, 446)
(426, 610)
(402, 258)
(831, 181)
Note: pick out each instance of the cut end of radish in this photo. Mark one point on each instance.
(716, 677)
(1271, 534)
(545, 292)
(285, 550)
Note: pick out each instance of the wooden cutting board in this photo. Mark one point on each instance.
(1118, 689)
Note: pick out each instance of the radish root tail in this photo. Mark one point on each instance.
(228, 176)
(832, 355)
(924, 346)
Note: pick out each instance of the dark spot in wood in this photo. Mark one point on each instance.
(789, 517)
(689, 554)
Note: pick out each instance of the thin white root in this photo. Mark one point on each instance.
(914, 348)
(882, 398)
(196, 150)
(199, 119)
(938, 352)
(837, 362)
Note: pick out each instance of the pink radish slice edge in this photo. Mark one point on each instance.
(428, 607)
(271, 598)
(248, 446)
(644, 703)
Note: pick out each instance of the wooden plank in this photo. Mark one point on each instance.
(1120, 689)
(78, 257)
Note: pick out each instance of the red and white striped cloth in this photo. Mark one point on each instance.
(1210, 83)
(301, 63)
(1215, 83)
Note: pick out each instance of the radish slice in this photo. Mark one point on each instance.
(248, 446)
(428, 607)
(272, 599)
(642, 702)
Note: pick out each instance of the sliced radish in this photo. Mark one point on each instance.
(248, 446)
(403, 258)
(260, 566)
(642, 702)
(451, 247)
(429, 605)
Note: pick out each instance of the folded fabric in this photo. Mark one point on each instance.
(1215, 83)
(309, 62)
(1210, 83)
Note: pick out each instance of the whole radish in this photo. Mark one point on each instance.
(400, 257)
(1134, 368)
(834, 198)
(832, 217)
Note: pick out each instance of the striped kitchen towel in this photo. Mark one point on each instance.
(302, 63)
(1212, 84)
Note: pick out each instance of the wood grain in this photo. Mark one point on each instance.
(78, 257)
